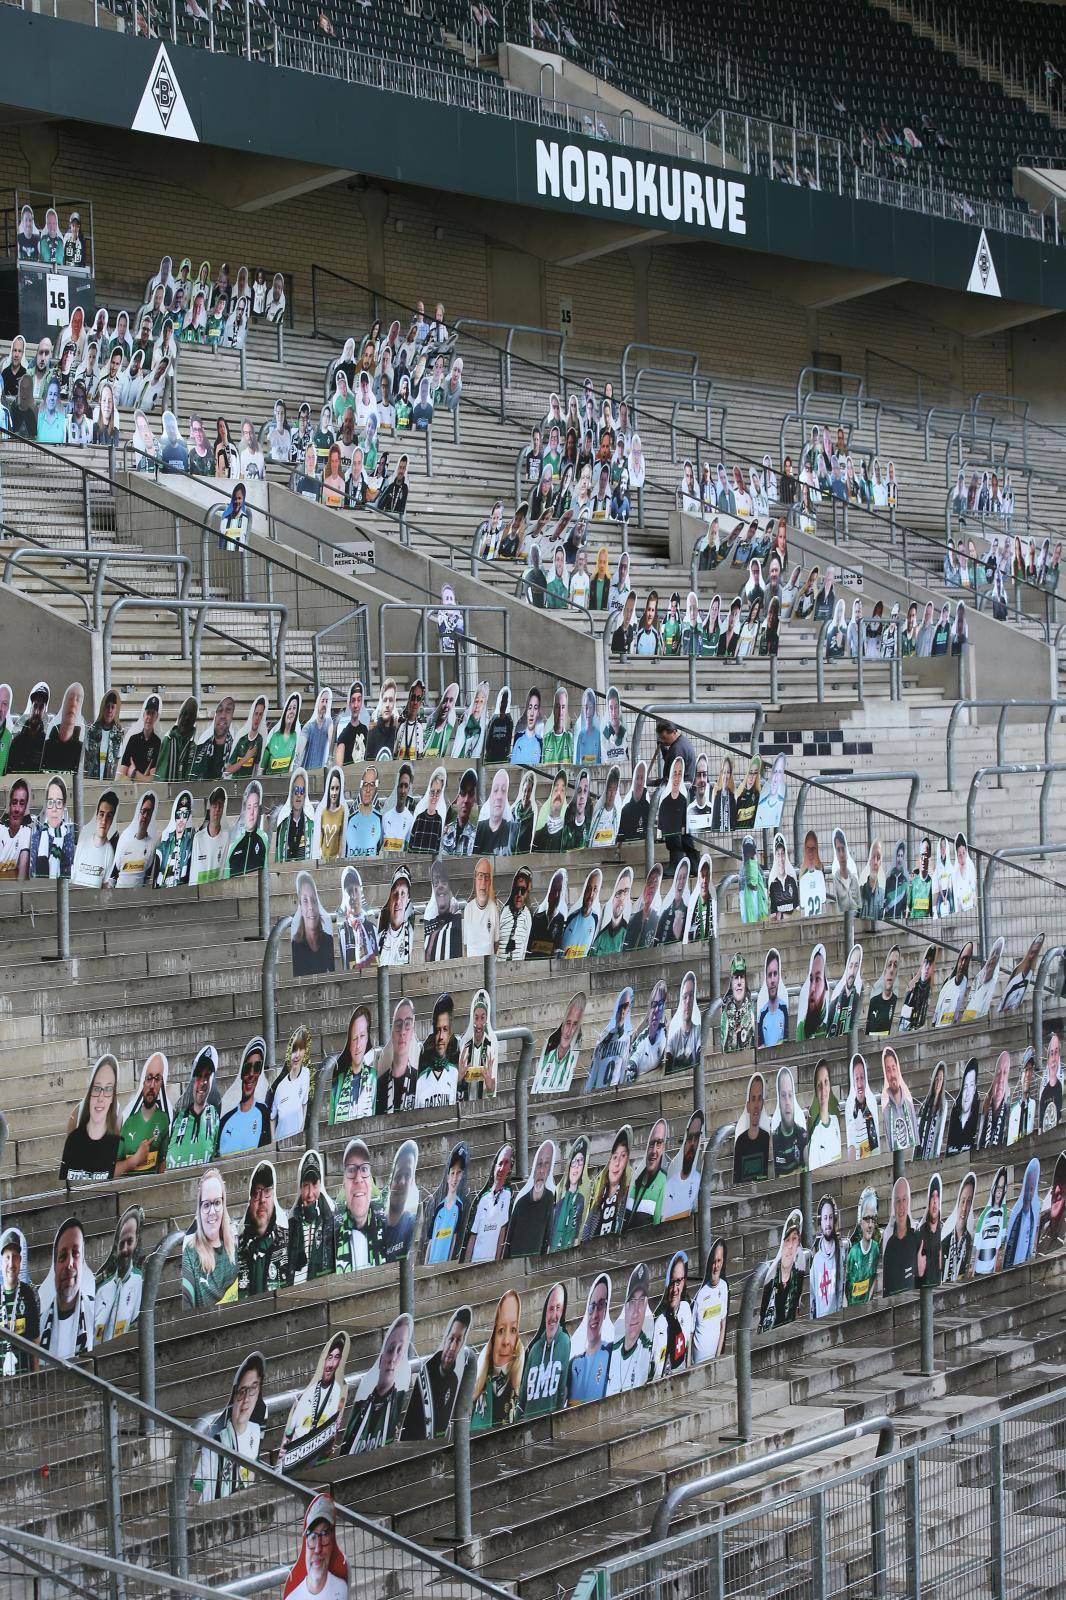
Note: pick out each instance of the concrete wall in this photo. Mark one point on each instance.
(40, 643)
(292, 531)
(750, 318)
(1001, 659)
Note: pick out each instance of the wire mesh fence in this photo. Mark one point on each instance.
(85, 1465)
(980, 1512)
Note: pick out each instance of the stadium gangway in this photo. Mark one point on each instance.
(821, 660)
(182, 564)
(95, 1412)
(421, 653)
(707, 437)
(657, 709)
(859, 397)
(1049, 707)
(692, 704)
(659, 350)
(898, 774)
(1009, 852)
(506, 349)
(360, 616)
(725, 1477)
(1011, 769)
(201, 608)
(700, 1559)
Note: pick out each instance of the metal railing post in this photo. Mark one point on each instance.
(807, 1206)
(384, 1008)
(912, 1527)
(268, 988)
(178, 1512)
(248, 57)
(743, 1348)
(407, 1285)
(62, 919)
(996, 1520)
(113, 1490)
(489, 981)
(461, 1450)
(708, 1172)
(153, 1272)
(264, 894)
(925, 1322)
(1047, 960)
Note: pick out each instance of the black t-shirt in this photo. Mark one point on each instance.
(61, 755)
(142, 751)
(789, 1150)
(352, 740)
(751, 1157)
(489, 841)
(672, 814)
(397, 1094)
(930, 1240)
(382, 739)
(498, 739)
(633, 823)
(527, 1232)
(900, 1265)
(26, 750)
(10, 380)
(879, 1017)
(88, 1160)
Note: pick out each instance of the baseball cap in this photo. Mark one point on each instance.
(262, 1177)
(310, 1170)
(639, 1282)
(738, 966)
(10, 1239)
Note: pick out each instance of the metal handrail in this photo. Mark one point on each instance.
(361, 610)
(1008, 852)
(13, 1541)
(1047, 961)
(663, 708)
(672, 1502)
(662, 350)
(513, 328)
(152, 1275)
(721, 1137)
(742, 1346)
(1049, 706)
(15, 559)
(571, 605)
(423, 612)
(807, 784)
(831, 372)
(183, 564)
(192, 1441)
(201, 608)
(697, 439)
(1009, 769)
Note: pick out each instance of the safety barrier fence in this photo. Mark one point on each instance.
(90, 1466)
(878, 1528)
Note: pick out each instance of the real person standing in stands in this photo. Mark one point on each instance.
(671, 745)
(900, 1244)
(208, 1257)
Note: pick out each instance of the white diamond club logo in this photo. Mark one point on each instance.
(983, 278)
(162, 109)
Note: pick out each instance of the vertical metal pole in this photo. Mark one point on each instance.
(211, 25)
(819, 1566)
(264, 903)
(912, 1528)
(878, 1542)
(247, 46)
(926, 1328)
(521, 1105)
(79, 795)
(997, 1530)
(807, 1206)
(113, 1481)
(461, 1450)
(184, 1461)
(384, 1020)
(407, 1285)
(490, 982)
(899, 1165)
(63, 919)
